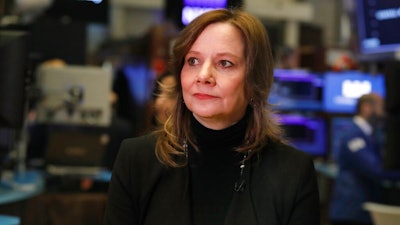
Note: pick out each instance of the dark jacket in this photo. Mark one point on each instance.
(281, 189)
(358, 180)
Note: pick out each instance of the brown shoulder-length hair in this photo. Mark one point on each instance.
(262, 126)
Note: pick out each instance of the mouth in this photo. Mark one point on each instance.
(202, 96)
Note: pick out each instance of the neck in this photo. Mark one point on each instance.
(231, 136)
(219, 123)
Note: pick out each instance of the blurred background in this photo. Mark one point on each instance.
(79, 76)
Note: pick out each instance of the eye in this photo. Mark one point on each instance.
(192, 61)
(226, 63)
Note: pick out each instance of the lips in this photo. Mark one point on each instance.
(202, 96)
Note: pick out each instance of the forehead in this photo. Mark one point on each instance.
(221, 36)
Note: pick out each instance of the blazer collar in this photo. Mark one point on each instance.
(173, 193)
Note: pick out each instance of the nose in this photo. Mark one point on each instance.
(206, 74)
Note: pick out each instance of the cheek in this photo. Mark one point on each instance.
(239, 95)
(185, 83)
(237, 89)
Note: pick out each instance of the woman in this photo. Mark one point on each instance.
(220, 158)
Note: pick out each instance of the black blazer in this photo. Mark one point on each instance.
(281, 189)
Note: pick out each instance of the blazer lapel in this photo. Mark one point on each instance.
(241, 210)
(170, 203)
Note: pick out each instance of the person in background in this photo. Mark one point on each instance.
(359, 160)
(287, 58)
(163, 102)
(165, 97)
(135, 77)
(221, 157)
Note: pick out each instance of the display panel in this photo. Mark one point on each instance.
(182, 12)
(74, 95)
(13, 60)
(342, 89)
(193, 8)
(296, 90)
(376, 23)
(307, 134)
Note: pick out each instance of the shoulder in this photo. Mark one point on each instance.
(280, 161)
(138, 151)
(281, 168)
(354, 139)
(284, 154)
(352, 131)
(139, 143)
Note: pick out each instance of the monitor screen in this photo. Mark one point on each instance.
(342, 89)
(13, 63)
(305, 133)
(296, 90)
(193, 8)
(74, 95)
(376, 21)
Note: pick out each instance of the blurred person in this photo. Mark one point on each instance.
(165, 97)
(163, 102)
(287, 58)
(359, 160)
(135, 77)
(221, 157)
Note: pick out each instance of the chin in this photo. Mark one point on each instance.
(206, 111)
(204, 114)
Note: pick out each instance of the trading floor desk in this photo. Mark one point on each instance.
(21, 186)
(17, 187)
(37, 204)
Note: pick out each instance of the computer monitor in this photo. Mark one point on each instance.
(74, 95)
(182, 12)
(296, 90)
(342, 89)
(13, 65)
(375, 23)
(13, 95)
(306, 133)
(193, 8)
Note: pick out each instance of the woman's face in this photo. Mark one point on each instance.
(213, 77)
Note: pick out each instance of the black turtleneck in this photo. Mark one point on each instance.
(214, 171)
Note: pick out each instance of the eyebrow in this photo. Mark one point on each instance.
(218, 54)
